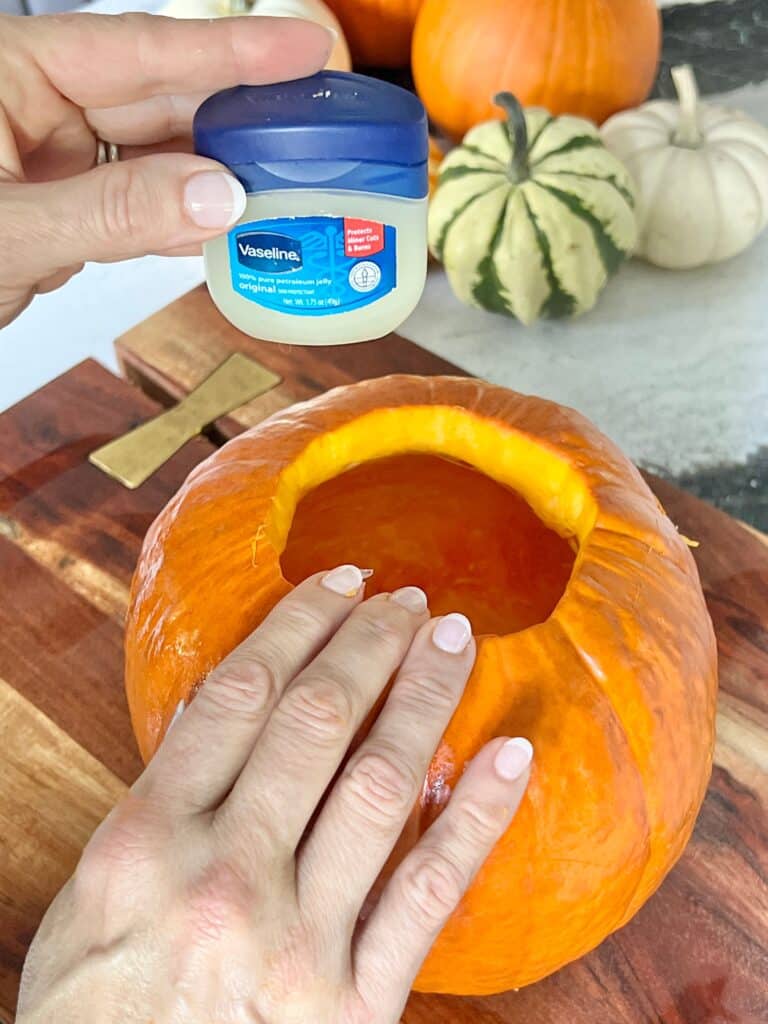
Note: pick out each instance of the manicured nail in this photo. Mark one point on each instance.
(452, 633)
(180, 708)
(412, 598)
(214, 199)
(346, 580)
(513, 758)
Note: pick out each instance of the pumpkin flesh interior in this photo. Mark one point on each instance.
(473, 545)
(433, 519)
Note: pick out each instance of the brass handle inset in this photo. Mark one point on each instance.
(134, 457)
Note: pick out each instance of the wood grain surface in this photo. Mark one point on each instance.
(698, 951)
(175, 350)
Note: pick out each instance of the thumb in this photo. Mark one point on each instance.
(115, 212)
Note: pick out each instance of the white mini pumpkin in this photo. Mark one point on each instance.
(701, 173)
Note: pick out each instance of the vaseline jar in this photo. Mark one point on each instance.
(332, 246)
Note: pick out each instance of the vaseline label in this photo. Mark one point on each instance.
(311, 266)
(276, 254)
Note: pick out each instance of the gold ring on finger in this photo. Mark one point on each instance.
(106, 152)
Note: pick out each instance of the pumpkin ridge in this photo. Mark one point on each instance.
(628, 157)
(711, 120)
(602, 552)
(577, 142)
(611, 255)
(542, 128)
(462, 170)
(589, 34)
(554, 36)
(609, 179)
(488, 292)
(440, 243)
(476, 151)
(560, 303)
(745, 171)
(626, 731)
(716, 142)
(717, 223)
(650, 199)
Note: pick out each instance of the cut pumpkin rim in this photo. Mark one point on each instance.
(448, 431)
(555, 491)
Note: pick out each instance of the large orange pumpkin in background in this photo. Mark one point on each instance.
(594, 639)
(378, 31)
(586, 57)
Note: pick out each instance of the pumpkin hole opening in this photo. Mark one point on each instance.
(471, 543)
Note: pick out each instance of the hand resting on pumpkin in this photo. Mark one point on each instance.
(232, 885)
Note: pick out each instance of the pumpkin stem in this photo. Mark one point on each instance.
(688, 132)
(518, 135)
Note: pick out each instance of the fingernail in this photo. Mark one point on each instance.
(214, 199)
(452, 633)
(346, 580)
(412, 598)
(513, 758)
(332, 33)
(180, 708)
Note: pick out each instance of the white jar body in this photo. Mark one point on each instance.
(311, 267)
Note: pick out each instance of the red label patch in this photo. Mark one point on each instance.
(362, 237)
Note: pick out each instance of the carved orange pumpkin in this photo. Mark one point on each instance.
(594, 639)
(586, 57)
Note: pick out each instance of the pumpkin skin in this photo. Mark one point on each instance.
(701, 174)
(586, 57)
(609, 668)
(436, 157)
(532, 230)
(378, 31)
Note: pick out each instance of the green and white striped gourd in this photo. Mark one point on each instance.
(531, 216)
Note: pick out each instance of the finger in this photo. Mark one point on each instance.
(178, 144)
(14, 301)
(174, 250)
(205, 752)
(50, 284)
(369, 805)
(11, 166)
(141, 55)
(182, 250)
(116, 211)
(429, 884)
(311, 728)
(148, 121)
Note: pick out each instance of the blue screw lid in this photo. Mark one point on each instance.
(333, 130)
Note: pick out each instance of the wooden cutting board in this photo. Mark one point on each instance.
(69, 537)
